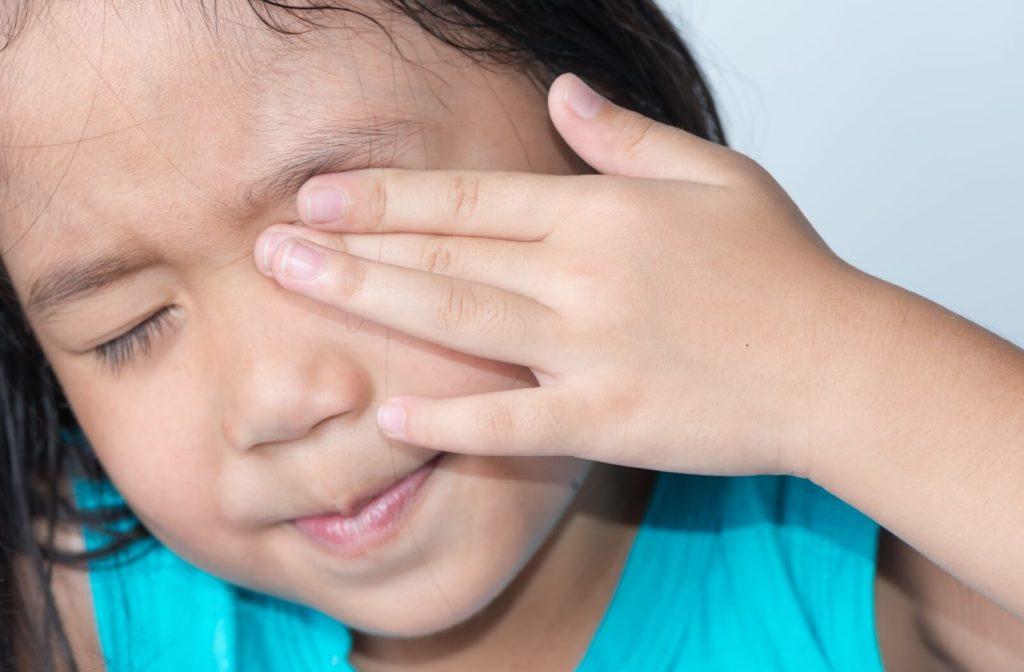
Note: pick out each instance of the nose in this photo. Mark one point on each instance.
(280, 385)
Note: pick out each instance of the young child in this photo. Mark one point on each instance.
(145, 152)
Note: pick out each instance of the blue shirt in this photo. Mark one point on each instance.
(750, 573)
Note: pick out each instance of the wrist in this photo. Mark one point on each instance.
(863, 332)
(924, 436)
(912, 387)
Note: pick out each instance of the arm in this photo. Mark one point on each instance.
(925, 434)
(928, 620)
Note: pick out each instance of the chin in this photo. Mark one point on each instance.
(463, 569)
(407, 628)
(416, 620)
(422, 612)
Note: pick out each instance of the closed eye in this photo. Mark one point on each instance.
(124, 350)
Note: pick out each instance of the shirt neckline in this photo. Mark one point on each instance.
(678, 502)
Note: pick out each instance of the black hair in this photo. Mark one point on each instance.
(626, 49)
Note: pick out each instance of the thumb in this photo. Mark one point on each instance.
(618, 141)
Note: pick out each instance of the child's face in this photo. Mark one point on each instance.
(137, 137)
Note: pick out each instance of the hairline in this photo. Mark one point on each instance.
(16, 16)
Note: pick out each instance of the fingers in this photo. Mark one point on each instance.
(469, 317)
(514, 266)
(526, 421)
(513, 206)
(519, 206)
(618, 141)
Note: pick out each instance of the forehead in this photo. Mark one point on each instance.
(125, 130)
(103, 109)
(131, 82)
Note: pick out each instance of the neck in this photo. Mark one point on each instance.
(546, 618)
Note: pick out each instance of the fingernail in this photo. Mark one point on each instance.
(325, 205)
(581, 99)
(391, 418)
(269, 245)
(301, 261)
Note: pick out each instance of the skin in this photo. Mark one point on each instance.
(255, 406)
(229, 375)
(796, 365)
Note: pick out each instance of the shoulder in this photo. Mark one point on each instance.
(837, 559)
(74, 600)
(839, 563)
(73, 597)
(927, 619)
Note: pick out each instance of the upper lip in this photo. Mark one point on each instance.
(354, 505)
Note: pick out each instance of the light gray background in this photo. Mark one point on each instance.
(897, 126)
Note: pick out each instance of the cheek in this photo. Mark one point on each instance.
(413, 366)
(158, 432)
(508, 519)
(152, 436)
(160, 457)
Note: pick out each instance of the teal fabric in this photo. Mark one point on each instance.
(753, 573)
(157, 613)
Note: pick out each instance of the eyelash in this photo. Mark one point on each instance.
(122, 351)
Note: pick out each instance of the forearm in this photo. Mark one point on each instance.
(927, 437)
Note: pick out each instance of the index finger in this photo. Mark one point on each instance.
(492, 204)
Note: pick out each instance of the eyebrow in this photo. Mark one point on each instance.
(70, 281)
(333, 148)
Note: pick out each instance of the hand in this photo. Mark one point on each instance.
(678, 311)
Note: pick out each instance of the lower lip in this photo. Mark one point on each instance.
(375, 522)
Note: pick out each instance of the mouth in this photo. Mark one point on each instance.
(370, 520)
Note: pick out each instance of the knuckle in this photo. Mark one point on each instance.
(495, 422)
(621, 405)
(461, 308)
(618, 201)
(498, 317)
(462, 197)
(580, 274)
(349, 276)
(438, 256)
(614, 416)
(634, 131)
(543, 424)
(457, 307)
(378, 201)
(335, 241)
